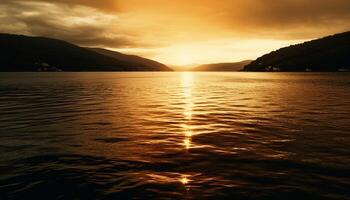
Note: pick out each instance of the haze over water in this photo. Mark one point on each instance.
(174, 135)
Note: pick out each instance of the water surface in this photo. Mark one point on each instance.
(174, 135)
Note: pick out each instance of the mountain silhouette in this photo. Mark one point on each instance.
(222, 67)
(326, 54)
(151, 64)
(24, 53)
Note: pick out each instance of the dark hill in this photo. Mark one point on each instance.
(151, 64)
(331, 53)
(222, 67)
(23, 53)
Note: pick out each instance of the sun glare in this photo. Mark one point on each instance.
(185, 59)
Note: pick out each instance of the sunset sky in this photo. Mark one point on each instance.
(179, 32)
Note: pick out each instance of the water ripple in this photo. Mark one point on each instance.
(174, 136)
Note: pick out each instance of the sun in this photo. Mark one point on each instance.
(180, 55)
(185, 59)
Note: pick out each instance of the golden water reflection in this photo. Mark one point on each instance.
(185, 179)
(187, 85)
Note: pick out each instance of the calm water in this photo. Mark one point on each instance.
(174, 136)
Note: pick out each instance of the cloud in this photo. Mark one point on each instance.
(144, 20)
(106, 5)
(81, 25)
(284, 19)
(289, 18)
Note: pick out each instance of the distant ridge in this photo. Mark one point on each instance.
(25, 53)
(222, 67)
(330, 53)
(151, 64)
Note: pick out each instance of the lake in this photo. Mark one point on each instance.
(175, 135)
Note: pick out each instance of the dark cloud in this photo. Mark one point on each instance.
(82, 34)
(106, 5)
(61, 22)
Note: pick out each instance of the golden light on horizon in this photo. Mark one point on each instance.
(224, 50)
(184, 59)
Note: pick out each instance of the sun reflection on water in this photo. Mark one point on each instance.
(187, 83)
(185, 179)
(187, 143)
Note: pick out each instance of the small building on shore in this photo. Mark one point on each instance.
(343, 69)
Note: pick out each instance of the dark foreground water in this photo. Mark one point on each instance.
(174, 136)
